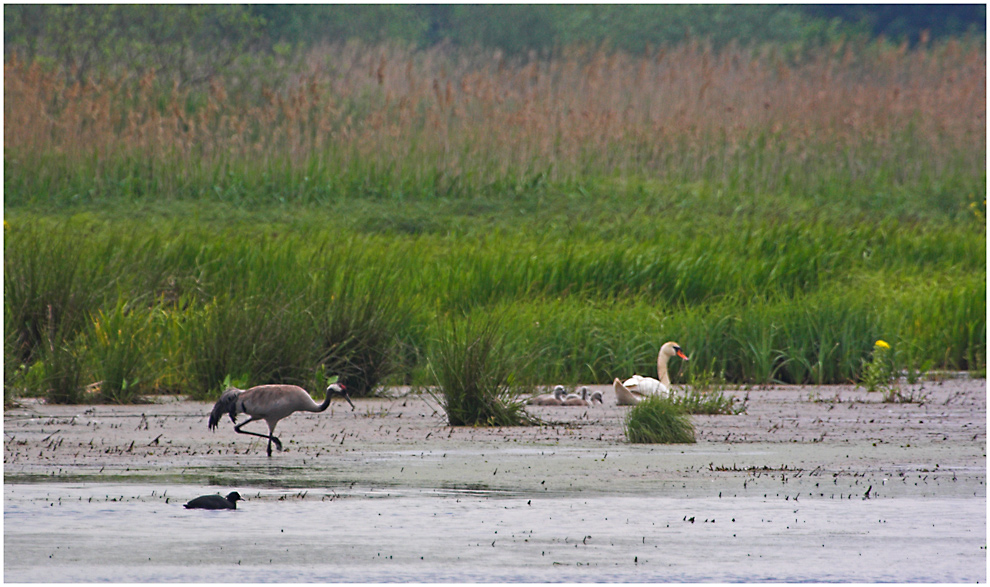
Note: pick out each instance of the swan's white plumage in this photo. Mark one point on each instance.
(623, 396)
(646, 386)
(634, 389)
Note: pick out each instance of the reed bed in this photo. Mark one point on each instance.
(774, 214)
(856, 123)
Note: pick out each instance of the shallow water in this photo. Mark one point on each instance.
(68, 532)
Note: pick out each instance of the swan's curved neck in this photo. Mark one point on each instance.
(662, 374)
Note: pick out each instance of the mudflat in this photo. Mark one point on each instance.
(835, 432)
(827, 460)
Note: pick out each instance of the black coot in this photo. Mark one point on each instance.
(216, 502)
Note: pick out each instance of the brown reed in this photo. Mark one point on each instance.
(684, 111)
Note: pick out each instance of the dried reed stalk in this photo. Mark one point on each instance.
(685, 107)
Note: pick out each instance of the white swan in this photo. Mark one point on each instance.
(551, 399)
(632, 390)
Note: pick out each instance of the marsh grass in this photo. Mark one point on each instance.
(360, 320)
(273, 302)
(256, 338)
(704, 394)
(118, 344)
(657, 420)
(775, 216)
(58, 374)
(217, 338)
(475, 377)
(896, 395)
(693, 401)
(50, 286)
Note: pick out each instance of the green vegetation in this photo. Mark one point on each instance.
(695, 402)
(657, 420)
(774, 214)
(197, 39)
(878, 372)
(475, 376)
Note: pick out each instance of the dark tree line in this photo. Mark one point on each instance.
(195, 42)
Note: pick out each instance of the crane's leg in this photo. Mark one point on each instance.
(271, 438)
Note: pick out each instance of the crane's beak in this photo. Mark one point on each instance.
(348, 398)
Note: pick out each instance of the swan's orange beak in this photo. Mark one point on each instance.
(681, 354)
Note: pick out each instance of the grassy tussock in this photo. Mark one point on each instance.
(657, 420)
(475, 376)
(360, 319)
(694, 402)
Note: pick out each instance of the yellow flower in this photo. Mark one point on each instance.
(882, 344)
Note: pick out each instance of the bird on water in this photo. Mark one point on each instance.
(270, 403)
(631, 391)
(215, 502)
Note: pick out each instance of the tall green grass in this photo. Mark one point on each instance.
(116, 342)
(360, 319)
(278, 302)
(476, 377)
(657, 420)
(57, 374)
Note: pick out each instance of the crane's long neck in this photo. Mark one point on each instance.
(326, 404)
(662, 374)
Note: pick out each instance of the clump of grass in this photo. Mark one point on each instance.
(256, 338)
(116, 344)
(698, 402)
(657, 420)
(878, 372)
(359, 323)
(475, 376)
(895, 395)
(703, 395)
(58, 373)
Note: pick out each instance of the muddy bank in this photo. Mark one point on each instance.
(810, 484)
(788, 437)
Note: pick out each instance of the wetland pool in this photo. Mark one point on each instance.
(130, 532)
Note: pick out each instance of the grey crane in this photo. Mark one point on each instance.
(270, 403)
